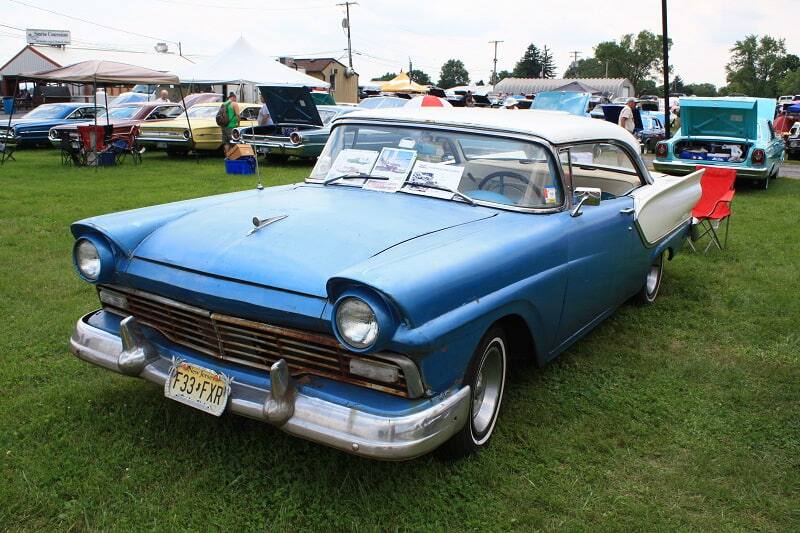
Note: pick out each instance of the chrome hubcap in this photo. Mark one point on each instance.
(488, 389)
(652, 278)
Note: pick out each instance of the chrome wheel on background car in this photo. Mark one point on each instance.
(486, 379)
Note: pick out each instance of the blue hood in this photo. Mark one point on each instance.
(24, 124)
(326, 230)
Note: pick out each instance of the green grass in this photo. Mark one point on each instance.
(681, 415)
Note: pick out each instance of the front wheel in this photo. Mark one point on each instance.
(486, 378)
(652, 282)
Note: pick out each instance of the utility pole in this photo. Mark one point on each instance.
(410, 70)
(494, 69)
(665, 43)
(349, 47)
(575, 54)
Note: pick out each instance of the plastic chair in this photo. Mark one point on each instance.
(714, 206)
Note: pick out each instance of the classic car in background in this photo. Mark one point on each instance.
(374, 307)
(298, 127)
(121, 118)
(175, 137)
(279, 142)
(649, 125)
(32, 129)
(731, 132)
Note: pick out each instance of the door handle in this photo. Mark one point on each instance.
(627, 210)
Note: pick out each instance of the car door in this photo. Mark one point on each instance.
(599, 236)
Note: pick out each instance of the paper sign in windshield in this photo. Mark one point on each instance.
(393, 164)
(351, 162)
(438, 175)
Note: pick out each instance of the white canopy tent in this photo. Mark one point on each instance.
(242, 64)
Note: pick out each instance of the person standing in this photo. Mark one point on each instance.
(469, 100)
(626, 115)
(232, 109)
(264, 118)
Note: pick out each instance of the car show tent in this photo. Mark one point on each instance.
(103, 74)
(403, 84)
(242, 64)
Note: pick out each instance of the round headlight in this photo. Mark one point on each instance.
(187, 134)
(295, 138)
(87, 259)
(236, 135)
(356, 323)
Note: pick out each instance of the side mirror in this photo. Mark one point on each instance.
(586, 196)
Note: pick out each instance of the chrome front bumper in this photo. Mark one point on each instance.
(345, 428)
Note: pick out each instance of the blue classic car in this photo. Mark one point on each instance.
(374, 307)
(32, 129)
(732, 132)
(574, 103)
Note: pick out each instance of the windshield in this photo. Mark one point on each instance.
(50, 111)
(142, 88)
(123, 112)
(202, 112)
(485, 168)
(326, 115)
(382, 103)
(127, 98)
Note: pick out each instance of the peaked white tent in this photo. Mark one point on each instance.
(240, 64)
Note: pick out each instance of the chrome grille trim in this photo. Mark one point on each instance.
(257, 344)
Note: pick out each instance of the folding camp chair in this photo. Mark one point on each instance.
(714, 205)
(72, 153)
(124, 144)
(7, 152)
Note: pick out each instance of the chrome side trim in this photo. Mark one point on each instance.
(344, 428)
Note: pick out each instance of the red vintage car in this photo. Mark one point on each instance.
(121, 118)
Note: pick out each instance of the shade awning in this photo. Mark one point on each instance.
(242, 63)
(403, 84)
(102, 73)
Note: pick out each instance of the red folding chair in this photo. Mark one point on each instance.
(93, 137)
(714, 205)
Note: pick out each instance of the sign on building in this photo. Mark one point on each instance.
(51, 37)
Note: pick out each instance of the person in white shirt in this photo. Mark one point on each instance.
(164, 96)
(263, 115)
(626, 115)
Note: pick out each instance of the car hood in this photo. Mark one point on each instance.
(325, 231)
(23, 123)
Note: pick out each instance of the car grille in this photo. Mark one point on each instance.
(245, 342)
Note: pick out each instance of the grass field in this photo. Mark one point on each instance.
(681, 415)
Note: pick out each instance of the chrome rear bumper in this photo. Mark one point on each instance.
(345, 428)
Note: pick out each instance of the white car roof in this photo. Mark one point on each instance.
(554, 126)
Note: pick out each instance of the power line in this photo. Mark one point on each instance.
(92, 22)
(244, 8)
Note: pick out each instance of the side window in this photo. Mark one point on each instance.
(251, 113)
(78, 113)
(601, 165)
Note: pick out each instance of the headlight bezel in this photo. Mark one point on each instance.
(104, 254)
(384, 321)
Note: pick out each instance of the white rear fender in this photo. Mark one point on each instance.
(665, 204)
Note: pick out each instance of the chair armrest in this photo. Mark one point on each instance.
(728, 196)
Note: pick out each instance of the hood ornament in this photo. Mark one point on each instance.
(259, 223)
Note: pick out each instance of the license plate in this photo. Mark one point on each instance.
(162, 146)
(198, 387)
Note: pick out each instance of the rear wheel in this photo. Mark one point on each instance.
(486, 378)
(652, 282)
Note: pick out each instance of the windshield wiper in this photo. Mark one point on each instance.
(454, 192)
(354, 177)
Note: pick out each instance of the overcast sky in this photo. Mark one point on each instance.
(387, 32)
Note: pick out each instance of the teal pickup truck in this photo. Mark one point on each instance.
(733, 132)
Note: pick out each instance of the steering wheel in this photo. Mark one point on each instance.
(523, 182)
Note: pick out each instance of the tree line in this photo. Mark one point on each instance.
(758, 66)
